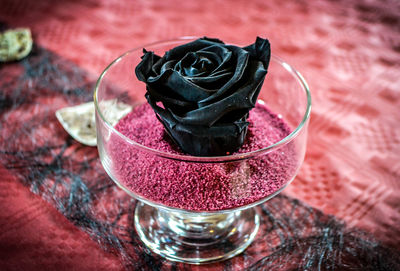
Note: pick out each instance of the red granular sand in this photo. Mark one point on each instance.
(201, 186)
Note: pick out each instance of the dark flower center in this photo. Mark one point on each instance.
(194, 64)
(202, 64)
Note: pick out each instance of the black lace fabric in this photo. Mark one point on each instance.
(35, 148)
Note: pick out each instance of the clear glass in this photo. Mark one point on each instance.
(180, 230)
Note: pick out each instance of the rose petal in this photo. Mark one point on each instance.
(170, 101)
(242, 98)
(180, 51)
(144, 69)
(209, 141)
(242, 57)
(260, 50)
(169, 65)
(212, 81)
(195, 64)
(218, 52)
(174, 85)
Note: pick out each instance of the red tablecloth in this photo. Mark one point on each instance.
(348, 51)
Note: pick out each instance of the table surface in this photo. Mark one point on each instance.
(348, 51)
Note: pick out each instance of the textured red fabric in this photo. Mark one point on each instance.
(348, 51)
(34, 236)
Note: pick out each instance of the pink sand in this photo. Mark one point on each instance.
(201, 186)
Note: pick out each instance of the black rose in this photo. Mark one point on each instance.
(206, 89)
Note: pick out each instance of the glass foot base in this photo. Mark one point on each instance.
(196, 238)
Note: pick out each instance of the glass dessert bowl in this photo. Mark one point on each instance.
(199, 209)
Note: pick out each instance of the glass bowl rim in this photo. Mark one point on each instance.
(207, 159)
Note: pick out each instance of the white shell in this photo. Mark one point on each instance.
(79, 121)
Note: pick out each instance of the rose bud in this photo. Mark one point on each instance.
(202, 92)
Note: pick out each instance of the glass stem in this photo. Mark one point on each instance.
(198, 226)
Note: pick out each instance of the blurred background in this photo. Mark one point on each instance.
(347, 50)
